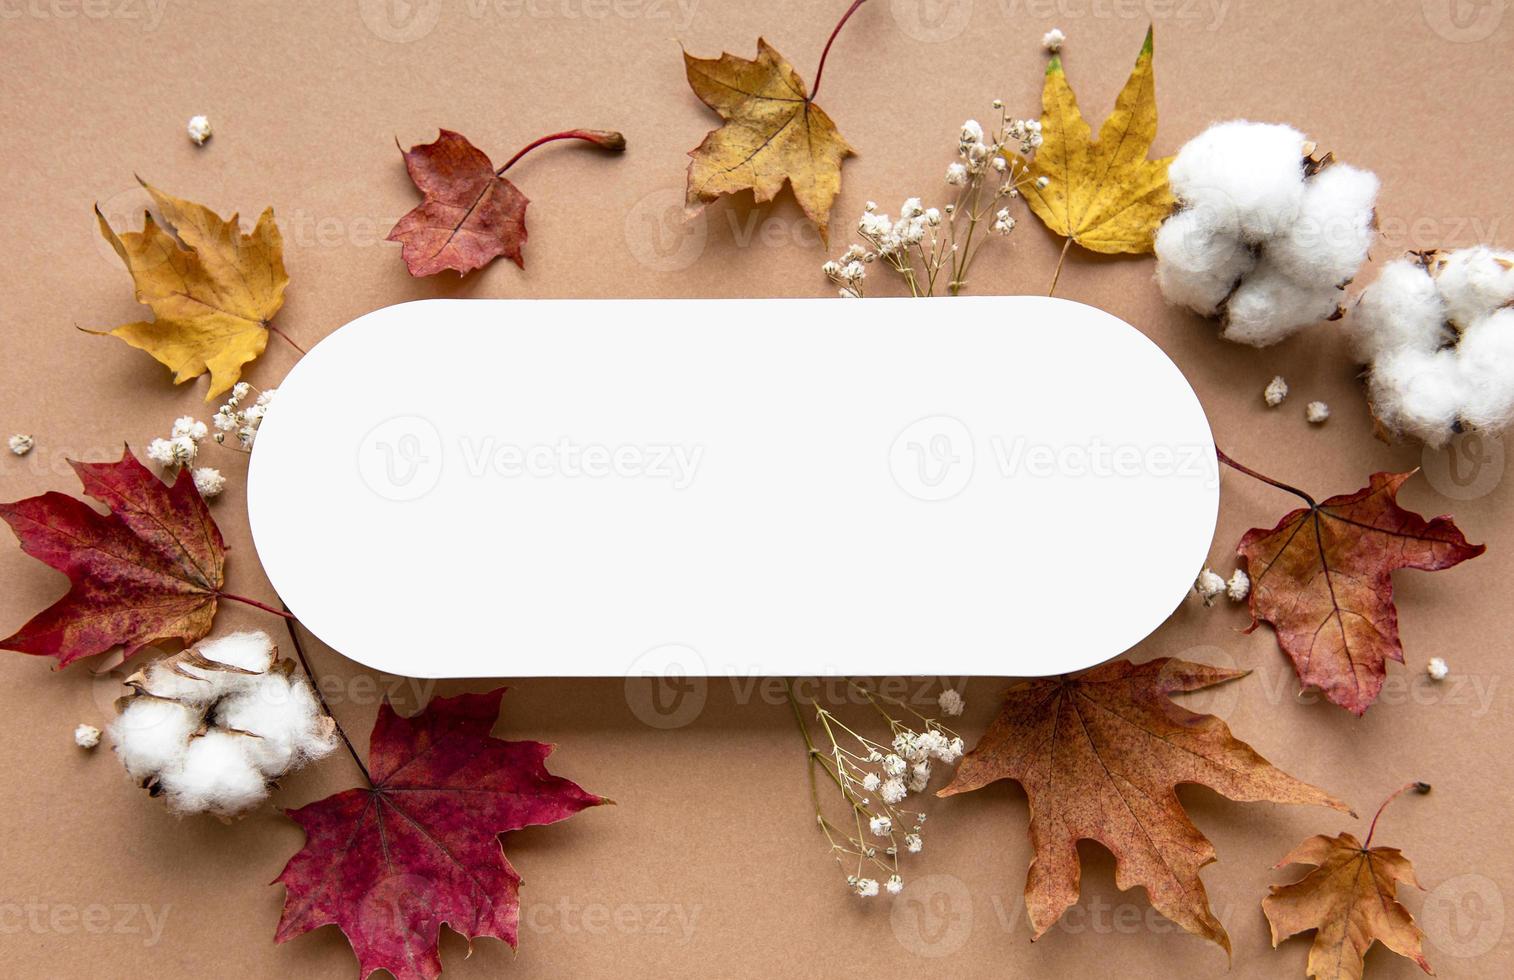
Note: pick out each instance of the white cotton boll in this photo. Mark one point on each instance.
(1473, 282)
(1268, 306)
(214, 775)
(252, 650)
(1486, 355)
(284, 714)
(1402, 308)
(1251, 171)
(1199, 260)
(1417, 392)
(150, 734)
(1329, 241)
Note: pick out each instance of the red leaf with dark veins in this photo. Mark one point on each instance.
(1322, 578)
(388, 865)
(470, 214)
(147, 572)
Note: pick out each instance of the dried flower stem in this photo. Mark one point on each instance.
(826, 53)
(1417, 786)
(1223, 458)
(602, 138)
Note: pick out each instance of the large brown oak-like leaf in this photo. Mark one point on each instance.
(148, 571)
(1322, 579)
(391, 863)
(1100, 756)
(773, 133)
(1350, 899)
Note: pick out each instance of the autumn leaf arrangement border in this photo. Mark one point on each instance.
(151, 570)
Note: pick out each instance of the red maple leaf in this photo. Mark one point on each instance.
(471, 214)
(391, 863)
(1323, 579)
(148, 571)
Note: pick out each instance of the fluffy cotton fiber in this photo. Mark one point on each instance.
(210, 728)
(1436, 331)
(1263, 238)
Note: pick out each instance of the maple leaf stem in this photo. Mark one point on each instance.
(1220, 453)
(1417, 786)
(1066, 244)
(255, 604)
(279, 333)
(815, 89)
(299, 651)
(603, 139)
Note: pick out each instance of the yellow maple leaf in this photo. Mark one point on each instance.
(212, 290)
(1104, 195)
(773, 132)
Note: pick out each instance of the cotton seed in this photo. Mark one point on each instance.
(198, 129)
(21, 444)
(1437, 669)
(86, 736)
(1316, 412)
(1275, 392)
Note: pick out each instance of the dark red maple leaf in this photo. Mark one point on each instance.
(1323, 579)
(148, 571)
(471, 214)
(391, 863)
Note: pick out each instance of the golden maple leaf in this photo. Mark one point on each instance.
(773, 132)
(1106, 196)
(1350, 899)
(212, 290)
(1100, 757)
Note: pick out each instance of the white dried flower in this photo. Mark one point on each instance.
(1437, 669)
(893, 790)
(956, 175)
(1239, 586)
(913, 843)
(1043, 181)
(160, 451)
(881, 826)
(209, 482)
(871, 782)
(21, 444)
(1053, 39)
(919, 777)
(1316, 412)
(950, 702)
(895, 885)
(866, 887)
(1275, 392)
(86, 736)
(1208, 585)
(972, 133)
(198, 129)
(893, 765)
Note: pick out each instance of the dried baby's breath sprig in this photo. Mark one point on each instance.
(239, 419)
(873, 779)
(928, 247)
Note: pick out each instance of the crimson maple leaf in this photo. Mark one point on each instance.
(148, 571)
(1323, 579)
(389, 864)
(471, 214)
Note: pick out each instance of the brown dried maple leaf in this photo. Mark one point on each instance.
(471, 214)
(773, 132)
(1350, 899)
(1100, 756)
(148, 571)
(390, 863)
(1322, 579)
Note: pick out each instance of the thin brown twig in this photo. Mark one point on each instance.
(299, 651)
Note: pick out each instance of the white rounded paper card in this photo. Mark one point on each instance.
(987, 485)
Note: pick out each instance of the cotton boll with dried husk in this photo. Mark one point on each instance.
(209, 729)
(1436, 331)
(1267, 233)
